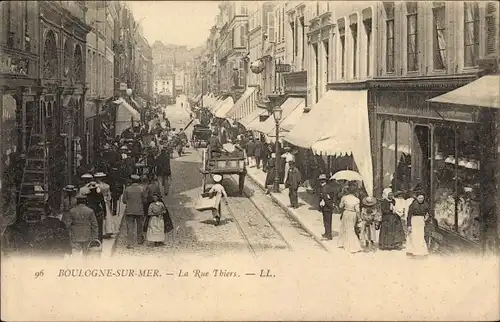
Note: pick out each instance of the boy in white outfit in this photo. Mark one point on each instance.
(219, 192)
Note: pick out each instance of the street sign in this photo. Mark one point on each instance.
(283, 68)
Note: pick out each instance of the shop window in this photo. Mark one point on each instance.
(471, 33)
(412, 39)
(396, 155)
(457, 188)
(439, 43)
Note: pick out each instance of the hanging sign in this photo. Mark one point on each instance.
(283, 68)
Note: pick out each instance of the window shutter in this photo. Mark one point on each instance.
(270, 27)
(491, 28)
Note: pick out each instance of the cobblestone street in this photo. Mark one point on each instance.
(243, 227)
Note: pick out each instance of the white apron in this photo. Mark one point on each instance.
(416, 239)
(156, 229)
(287, 168)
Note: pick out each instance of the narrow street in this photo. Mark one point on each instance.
(243, 228)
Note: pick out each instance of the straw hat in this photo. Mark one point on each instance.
(135, 177)
(322, 177)
(99, 175)
(217, 177)
(87, 176)
(369, 201)
(69, 187)
(81, 196)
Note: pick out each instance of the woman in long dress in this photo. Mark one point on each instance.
(418, 213)
(110, 223)
(156, 226)
(351, 209)
(392, 235)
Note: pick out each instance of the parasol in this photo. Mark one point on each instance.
(348, 175)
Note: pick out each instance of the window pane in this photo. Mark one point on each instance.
(444, 168)
(388, 152)
(468, 183)
(402, 179)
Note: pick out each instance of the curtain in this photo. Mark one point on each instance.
(440, 52)
(412, 41)
(470, 33)
(388, 155)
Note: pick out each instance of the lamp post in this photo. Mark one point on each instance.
(277, 113)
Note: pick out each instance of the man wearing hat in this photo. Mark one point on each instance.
(288, 157)
(326, 205)
(134, 213)
(293, 181)
(163, 170)
(82, 225)
(69, 200)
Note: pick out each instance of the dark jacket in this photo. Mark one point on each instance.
(251, 149)
(294, 178)
(162, 164)
(95, 201)
(326, 194)
(132, 198)
(82, 224)
(148, 192)
(258, 149)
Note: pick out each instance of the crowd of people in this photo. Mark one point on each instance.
(135, 167)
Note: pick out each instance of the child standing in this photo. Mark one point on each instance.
(219, 192)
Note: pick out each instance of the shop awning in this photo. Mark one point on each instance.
(288, 107)
(224, 107)
(214, 105)
(255, 123)
(345, 130)
(254, 115)
(124, 115)
(482, 92)
(293, 119)
(238, 109)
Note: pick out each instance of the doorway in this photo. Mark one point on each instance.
(421, 171)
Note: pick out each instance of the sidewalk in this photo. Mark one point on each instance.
(309, 217)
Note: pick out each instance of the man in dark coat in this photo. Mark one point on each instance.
(82, 225)
(251, 152)
(292, 183)
(326, 205)
(116, 184)
(258, 152)
(134, 212)
(266, 153)
(163, 169)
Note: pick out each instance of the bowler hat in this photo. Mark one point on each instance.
(369, 201)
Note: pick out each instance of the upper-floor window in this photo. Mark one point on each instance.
(389, 37)
(354, 34)
(244, 9)
(367, 23)
(491, 28)
(342, 51)
(471, 33)
(412, 33)
(439, 41)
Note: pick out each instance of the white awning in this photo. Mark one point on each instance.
(124, 115)
(288, 107)
(256, 123)
(345, 131)
(215, 105)
(224, 107)
(483, 92)
(237, 112)
(250, 118)
(293, 119)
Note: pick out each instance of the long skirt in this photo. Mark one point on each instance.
(416, 239)
(110, 221)
(156, 231)
(270, 174)
(348, 238)
(392, 235)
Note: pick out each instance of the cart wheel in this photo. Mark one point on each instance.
(241, 183)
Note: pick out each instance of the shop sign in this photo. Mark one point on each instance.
(283, 68)
(447, 113)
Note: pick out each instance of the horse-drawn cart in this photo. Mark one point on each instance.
(200, 136)
(228, 160)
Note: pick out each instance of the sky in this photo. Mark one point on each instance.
(175, 22)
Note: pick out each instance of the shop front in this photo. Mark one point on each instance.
(443, 149)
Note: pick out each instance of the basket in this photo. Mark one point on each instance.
(206, 202)
(94, 248)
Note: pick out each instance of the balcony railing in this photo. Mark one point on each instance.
(17, 64)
